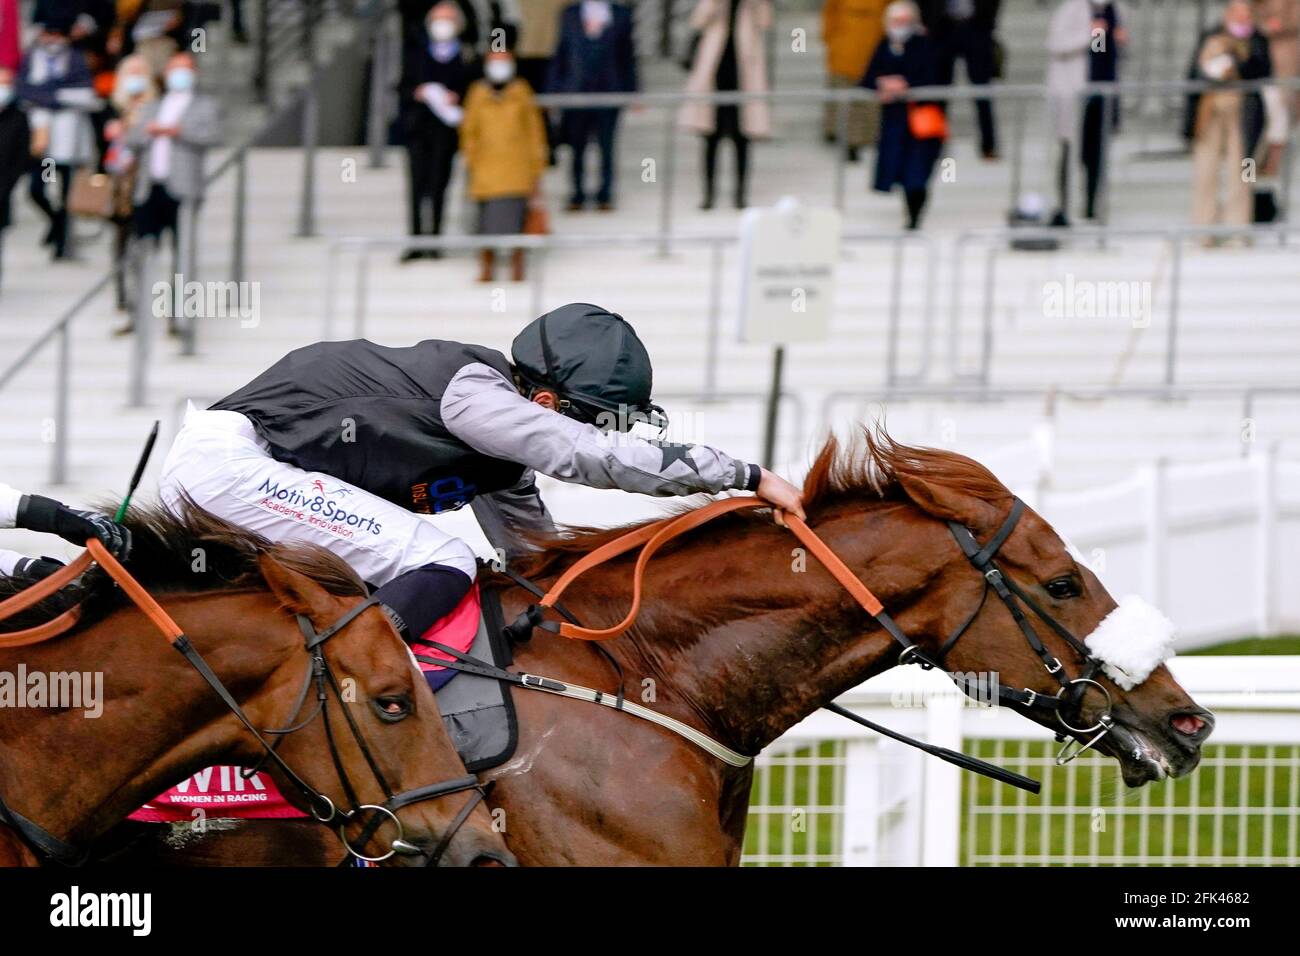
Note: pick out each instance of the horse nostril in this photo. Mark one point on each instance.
(1189, 725)
(491, 860)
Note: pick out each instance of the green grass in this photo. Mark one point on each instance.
(1287, 644)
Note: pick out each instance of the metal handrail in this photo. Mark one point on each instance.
(543, 245)
(998, 237)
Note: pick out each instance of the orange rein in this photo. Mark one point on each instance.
(96, 552)
(655, 535)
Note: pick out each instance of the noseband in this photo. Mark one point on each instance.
(322, 808)
(1067, 702)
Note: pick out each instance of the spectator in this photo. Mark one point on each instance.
(133, 90)
(1223, 132)
(170, 140)
(56, 87)
(851, 30)
(157, 31)
(1279, 21)
(595, 54)
(15, 145)
(11, 30)
(964, 28)
(415, 23)
(1083, 45)
(438, 73)
(539, 29)
(505, 152)
(904, 58)
(730, 56)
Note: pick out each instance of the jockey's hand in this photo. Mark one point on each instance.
(37, 513)
(783, 495)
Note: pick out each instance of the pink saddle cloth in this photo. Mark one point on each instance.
(223, 791)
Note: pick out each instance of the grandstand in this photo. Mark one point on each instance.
(1165, 443)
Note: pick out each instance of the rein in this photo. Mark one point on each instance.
(1065, 704)
(322, 808)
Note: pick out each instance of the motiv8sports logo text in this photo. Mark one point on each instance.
(321, 501)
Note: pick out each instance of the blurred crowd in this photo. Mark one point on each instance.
(101, 116)
(100, 113)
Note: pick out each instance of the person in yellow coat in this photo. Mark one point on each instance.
(503, 142)
(851, 30)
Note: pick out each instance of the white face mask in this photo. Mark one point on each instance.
(900, 34)
(500, 72)
(180, 80)
(442, 29)
(6, 96)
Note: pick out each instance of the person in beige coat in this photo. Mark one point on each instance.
(731, 56)
(851, 30)
(503, 143)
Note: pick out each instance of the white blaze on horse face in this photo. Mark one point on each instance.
(1132, 641)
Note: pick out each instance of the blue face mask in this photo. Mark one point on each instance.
(180, 80)
(134, 84)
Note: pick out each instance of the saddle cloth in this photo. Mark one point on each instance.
(478, 713)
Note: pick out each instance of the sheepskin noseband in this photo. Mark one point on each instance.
(1132, 641)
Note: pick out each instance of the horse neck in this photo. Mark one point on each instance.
(762, 645)
(76, 775)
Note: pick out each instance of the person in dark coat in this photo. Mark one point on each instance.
(1257, 64)
(964, 29)
(437, 73)
(595, 54)
(15, 146)
(904, 58)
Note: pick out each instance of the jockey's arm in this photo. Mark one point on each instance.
(37, 513)
(483, 408)
(513, 518)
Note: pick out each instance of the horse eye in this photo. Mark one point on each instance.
(392, 709)
(1061, 588)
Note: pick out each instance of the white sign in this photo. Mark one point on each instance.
(788, 255)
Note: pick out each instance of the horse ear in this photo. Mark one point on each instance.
(948, 503)
(298, 593)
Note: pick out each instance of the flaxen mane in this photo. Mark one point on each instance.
(190, 552)
(870, 466)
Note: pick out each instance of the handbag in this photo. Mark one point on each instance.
(926, 121)
(91, 194)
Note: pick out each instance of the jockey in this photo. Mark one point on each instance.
(36, 513)
(346, 444)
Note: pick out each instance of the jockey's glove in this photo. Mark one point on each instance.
(38, 513)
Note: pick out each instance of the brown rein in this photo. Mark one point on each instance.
(95, 553)
(656, 534)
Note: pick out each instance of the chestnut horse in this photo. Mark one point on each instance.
(741, 638)
(76, 773)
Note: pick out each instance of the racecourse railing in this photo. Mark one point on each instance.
(829, 793)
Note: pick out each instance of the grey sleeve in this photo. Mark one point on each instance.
(483, 408)
(510, 517)
(201, 126)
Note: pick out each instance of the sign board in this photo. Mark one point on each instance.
(788, 255)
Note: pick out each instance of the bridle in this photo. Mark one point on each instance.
(322, 808)
(1067, 702)
(319, 674)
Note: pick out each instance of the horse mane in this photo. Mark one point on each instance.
(191, 551)
(871, 465)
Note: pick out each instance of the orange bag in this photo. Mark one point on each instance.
(927, 121)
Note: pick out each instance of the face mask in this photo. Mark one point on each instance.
(1240, 30)
(441, 30)
(54, 47)
(899, 35)
(180, 80)
(500, 72)
(6, 96)
(134, 84)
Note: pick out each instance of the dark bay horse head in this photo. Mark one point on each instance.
(913, 498)
(237, 597)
